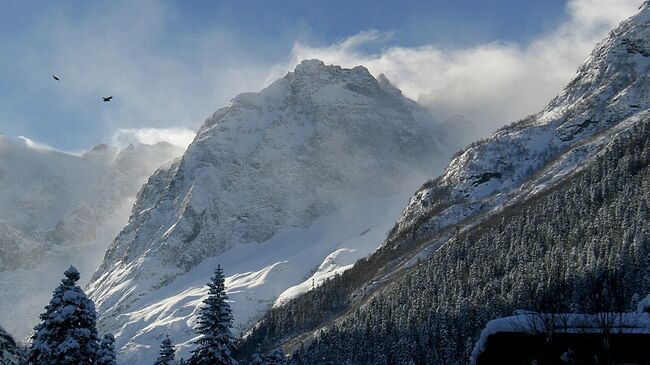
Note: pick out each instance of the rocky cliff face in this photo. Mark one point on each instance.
(317, 142)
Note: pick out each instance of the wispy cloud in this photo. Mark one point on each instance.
(491, 84)
(180, 137)
(29, 143)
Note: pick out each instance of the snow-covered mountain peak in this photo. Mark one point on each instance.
(310, 87)
(313, 144)
(325, 83)
(614, 74)
(316, 71)
(313, 66)
(318, 122)
(387, 85)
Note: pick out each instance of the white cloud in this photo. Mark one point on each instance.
(492, 84)
(29, 143)
(180, 137)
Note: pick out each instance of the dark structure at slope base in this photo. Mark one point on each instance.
(612, 338)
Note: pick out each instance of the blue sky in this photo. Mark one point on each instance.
(170, 64)
(275, 23)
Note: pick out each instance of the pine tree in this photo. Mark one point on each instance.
(276, 357)
(167, 352)
(216, 343)
(106, 353)
(67, 333)
(257, 358)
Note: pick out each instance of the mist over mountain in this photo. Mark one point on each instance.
(58, 208)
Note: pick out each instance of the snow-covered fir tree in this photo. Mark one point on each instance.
(275, 357)
(106, 353)
(67, 332)
(216, 343)
(257, 358)
(167, 352)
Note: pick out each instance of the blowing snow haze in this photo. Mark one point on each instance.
(57, 208)
(343, 171)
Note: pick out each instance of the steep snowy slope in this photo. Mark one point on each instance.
(609, 95)
(269, 188)
(610, 92)
(58, 208)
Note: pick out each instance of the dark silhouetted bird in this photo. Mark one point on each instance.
(56, 78)
(107, 98)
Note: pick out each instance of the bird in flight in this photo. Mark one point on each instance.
(107, 98)
(56, 78)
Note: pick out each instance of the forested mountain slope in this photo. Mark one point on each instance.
(583, 246)
(537, 192)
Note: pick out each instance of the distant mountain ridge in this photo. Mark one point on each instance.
(64, 199)
(59, 208)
